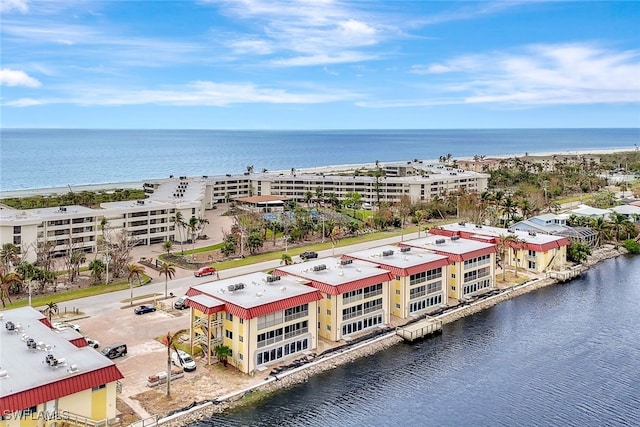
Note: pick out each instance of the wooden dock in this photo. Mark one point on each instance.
(421, 329)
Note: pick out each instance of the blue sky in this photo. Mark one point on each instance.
(323, 64)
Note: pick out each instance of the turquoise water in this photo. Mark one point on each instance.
(41, 158)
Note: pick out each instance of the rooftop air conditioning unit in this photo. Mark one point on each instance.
(462, 223)
(236, 286)
(511, 230)
(319, 267)
(272, 278)
(63, 209)
(478, 225)
(387, 253)
(346, 261)
(532, 233)
(10, 326)
(440, 241)
(453, 238)
(405, 249)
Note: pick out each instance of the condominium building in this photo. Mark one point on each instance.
(48, 376)
(417, 286)
(262, 318)
(471, 267)
(355, 294)
(530, 251)
(153, 220)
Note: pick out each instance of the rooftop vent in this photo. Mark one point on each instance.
(532, 233)
(319, 267)
(405, 249)
(454, 238)
(282, 288)
(63, 209)
(478, 225)
(387, 253)
(440, 241)
(271, 279)
(4, 374)
(73, 369)
(462, 223)
(140, 202)
(346, 261)
(510, 230)
(236, 286)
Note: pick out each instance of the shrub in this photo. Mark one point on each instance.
(631, 246)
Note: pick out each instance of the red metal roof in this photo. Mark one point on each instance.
(404, 272)
(203, 308)
(353, 285)
(79, 342)
(251, 313)
(466, 255)
(55, 390)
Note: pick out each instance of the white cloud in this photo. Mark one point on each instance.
(577, 73)
(8, 6)
(9, 77)
(198, 93)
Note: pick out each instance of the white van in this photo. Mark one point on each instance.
(183, 360)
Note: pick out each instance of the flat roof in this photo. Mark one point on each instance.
(25, 367)
(393, 256)
(333, 271)
(256, 292)
(456, 246)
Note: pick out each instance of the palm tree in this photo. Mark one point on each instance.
(222, 353)
(171, 340)
(621, 225)
(135, 270)
(96, 267)
(178, 221)
(9, 255)
(286, 259)
(169, 272)
(602, 227)
(167, 246)
(13, 282)
(503, 247)
(193, 228)
(51, 309)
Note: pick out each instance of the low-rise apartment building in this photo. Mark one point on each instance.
(355, 294)
(262, 318)
(417, 286)
(471, 267)
(530, 251)
(49, 377)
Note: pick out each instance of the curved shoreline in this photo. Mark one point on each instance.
(199, 412)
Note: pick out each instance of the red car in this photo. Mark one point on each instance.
(204, 271)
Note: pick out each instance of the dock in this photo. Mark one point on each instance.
(420, 329)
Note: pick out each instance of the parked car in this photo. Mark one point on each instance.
(114, 351)
(61, 326)
(92, 343)
(144, 309)
(183, 360)
(308, 255)
(204, 271)
(180, 303)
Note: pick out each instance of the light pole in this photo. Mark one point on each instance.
(107, 260)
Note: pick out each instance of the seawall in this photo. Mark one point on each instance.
(303, 373)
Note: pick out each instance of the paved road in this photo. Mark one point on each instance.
(109, 318)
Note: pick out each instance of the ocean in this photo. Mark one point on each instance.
(46, 158)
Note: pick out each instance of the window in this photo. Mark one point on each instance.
(285, 350)
(328, 312)
(328, 327)
(17, 229)
(328, 296)
(397, 291)
(228, 334)
(398, 306)
(269, 320)
(240, 356)
(296, 312)
(100, 387)
(240, 338)
(229, 316)
(241, 321)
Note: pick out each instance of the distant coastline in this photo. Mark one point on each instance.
(33, 159)
(139, 184)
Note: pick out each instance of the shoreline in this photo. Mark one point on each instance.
(197, 412)
(48, 191)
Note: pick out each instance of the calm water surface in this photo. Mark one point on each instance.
(566, 355)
